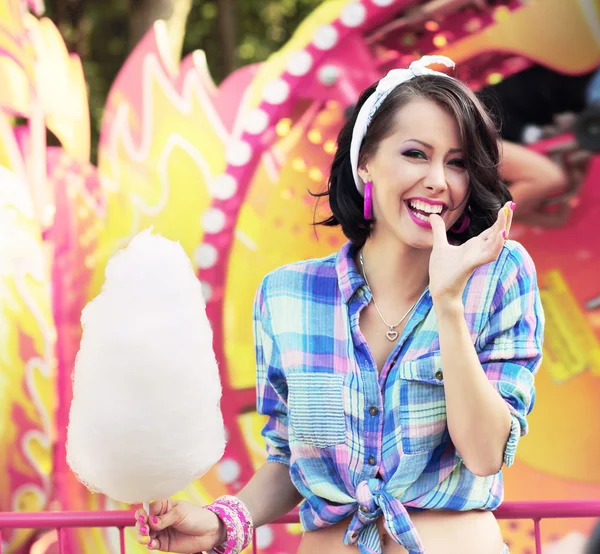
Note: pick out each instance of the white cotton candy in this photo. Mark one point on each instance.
(145, 419)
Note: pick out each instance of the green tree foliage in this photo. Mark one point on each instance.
(231, 32)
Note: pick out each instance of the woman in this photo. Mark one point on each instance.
(397, 374)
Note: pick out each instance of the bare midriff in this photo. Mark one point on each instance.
(441, 531)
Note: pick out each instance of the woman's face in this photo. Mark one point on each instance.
(417, 170)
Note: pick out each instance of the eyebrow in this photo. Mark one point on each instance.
(427, 145)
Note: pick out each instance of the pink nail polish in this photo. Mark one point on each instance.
(504, 235)
(513, 206)
(141, 519)
(143, 529)
(154, 520)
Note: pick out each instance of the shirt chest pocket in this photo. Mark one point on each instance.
(422, 404)
(316, 408)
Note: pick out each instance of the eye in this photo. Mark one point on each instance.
(417, 154)
(458, 162)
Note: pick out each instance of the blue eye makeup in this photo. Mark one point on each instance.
(414, 153)
(419, 154)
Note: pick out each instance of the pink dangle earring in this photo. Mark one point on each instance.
(368, 205)
(462, 224)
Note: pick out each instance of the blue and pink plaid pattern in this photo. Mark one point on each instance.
(364, 444)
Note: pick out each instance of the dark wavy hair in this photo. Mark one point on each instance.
(480, 140)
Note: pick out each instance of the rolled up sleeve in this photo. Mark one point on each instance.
(271, 385)
(510, 345)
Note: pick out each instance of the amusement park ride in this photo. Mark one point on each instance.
(226, 171)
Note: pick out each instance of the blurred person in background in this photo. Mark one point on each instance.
(530, 106)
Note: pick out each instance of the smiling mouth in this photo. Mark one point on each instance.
(422, 210)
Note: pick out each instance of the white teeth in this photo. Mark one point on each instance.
(425, 207)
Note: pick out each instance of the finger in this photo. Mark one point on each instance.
(502, 218)
(157, 511)
(170, 517)
(142, 529)
(140, 516)
(143, 539)
(494, 247)
(439, 229)
(500, 224)
(160, 506)
(158, 541)
(510, 214)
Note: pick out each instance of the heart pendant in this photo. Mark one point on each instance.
(392, 335)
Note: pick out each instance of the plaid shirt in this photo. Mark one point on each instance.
(367, 444)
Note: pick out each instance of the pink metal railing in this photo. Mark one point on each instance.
(535, 511)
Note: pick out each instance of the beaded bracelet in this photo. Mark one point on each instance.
(238, 524)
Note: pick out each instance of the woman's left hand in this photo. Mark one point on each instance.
(450, 267)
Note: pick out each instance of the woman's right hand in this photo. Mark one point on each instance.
(176, 526)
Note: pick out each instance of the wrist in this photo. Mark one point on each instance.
(235, 525)
(220, 531)
(448, 306)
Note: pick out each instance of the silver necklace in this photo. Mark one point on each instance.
(392, 334)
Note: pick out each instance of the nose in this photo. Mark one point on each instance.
(435, 180)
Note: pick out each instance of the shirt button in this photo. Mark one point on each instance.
(439, 375)
(372, 460)
(373, 410)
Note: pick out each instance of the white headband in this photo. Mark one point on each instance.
(371, 105)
